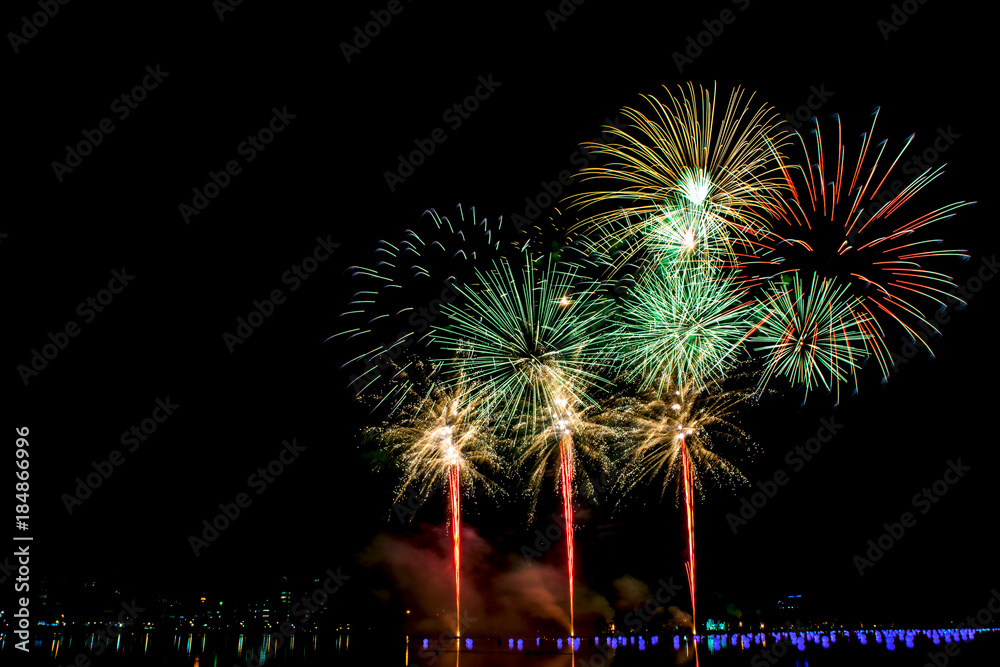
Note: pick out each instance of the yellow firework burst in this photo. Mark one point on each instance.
(570, 443)
(685, 154)
(662, 425)
(440, 428)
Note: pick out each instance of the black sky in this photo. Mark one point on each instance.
(323, 175)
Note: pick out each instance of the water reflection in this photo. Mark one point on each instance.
(861, 647)
(178, 648)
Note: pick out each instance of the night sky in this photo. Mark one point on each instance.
(213, 82)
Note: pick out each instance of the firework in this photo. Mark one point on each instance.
(689, 417)
(839, 223)
(673, 434)
(683, 324)
(572, 434)
(714, 166)
(535, 341)
(441, 437)
(813, 337)
(571, 446)
(402, 292)
(529, 339)
(682, 236)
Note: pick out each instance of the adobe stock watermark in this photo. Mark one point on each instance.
(797, 459)
(639, 617)
(406, 507)
(122, 107)
(549, 191)
(454, 116)
(30, 25)
(817, 98)
(103, 636)
(6, 570)
(698, 43)
(264, 309)
(562, 12)
(898, 17)
(313, 602)
(365, 33)
(959, 296)
(302, 611)
(923, 500)
(774, 653)
(981, 619)
(547, 537)
(88, 309)
(913, 166)
(258, 481)
(248, 149)
(133, 439)
(223, 7)
(419, 321)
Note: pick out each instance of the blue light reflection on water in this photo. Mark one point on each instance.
(221, 648)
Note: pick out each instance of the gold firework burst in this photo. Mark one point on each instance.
(686, 156)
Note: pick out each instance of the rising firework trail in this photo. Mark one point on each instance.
(455, 495)
(570, 443)
(566, 487)
(672, 432)
(440, 436)
(689, 525)
(565, 436)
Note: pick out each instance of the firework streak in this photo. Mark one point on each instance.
(455, 495)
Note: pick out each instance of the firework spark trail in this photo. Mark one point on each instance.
(566, 486)
(576, 440)
(689, 515)
(400, 292)
(455, 495)
(689, 522)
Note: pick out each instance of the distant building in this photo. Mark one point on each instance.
(261, 613)
(790, 610)
(168, 614)
(284, 606)
(208, 614)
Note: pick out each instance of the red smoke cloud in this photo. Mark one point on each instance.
(502, 594)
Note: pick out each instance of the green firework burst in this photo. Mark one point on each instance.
(529, 337)
(812, 337)
(682, 325)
